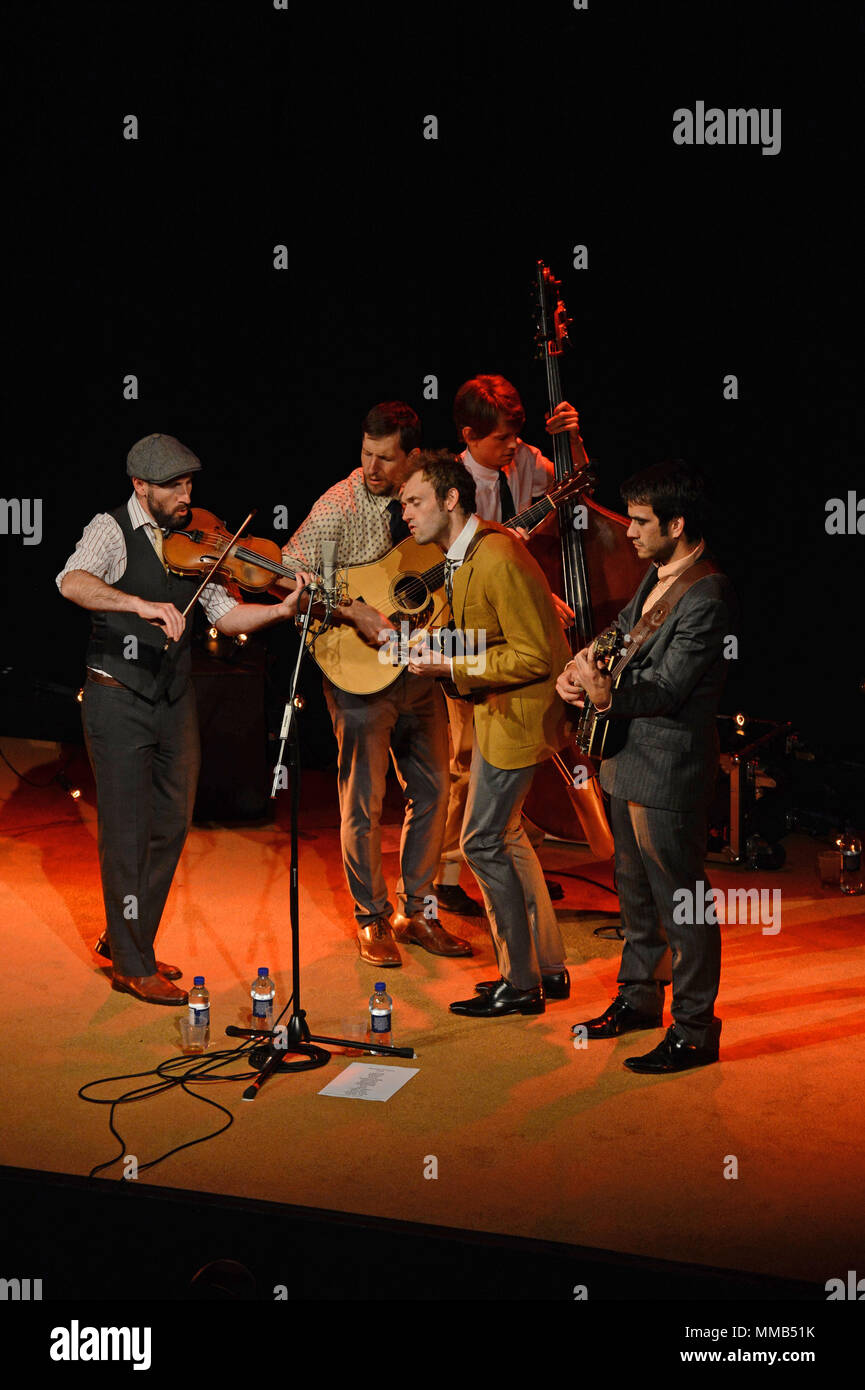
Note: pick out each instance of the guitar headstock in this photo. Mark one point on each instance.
(552, 316)
(581, 480)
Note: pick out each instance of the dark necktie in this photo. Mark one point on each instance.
(450, 566)
(398, 528)
(509, 511)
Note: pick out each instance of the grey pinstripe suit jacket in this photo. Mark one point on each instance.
(669, 694)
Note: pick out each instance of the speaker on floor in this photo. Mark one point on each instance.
(230, 689)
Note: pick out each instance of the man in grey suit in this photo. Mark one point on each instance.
(661, 779)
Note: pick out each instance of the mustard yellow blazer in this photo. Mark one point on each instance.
(500, 591)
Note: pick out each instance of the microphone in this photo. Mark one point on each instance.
(332, 584)
(328, 563)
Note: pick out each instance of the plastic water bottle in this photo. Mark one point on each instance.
(262, 990)
(851, 861)
(380, 1013)
(199, 1008)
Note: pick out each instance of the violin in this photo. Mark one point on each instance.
(252, 562)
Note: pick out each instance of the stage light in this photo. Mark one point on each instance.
(213, 633)
(67, 786)
(241, 638)
(739, 721)
(80, 696)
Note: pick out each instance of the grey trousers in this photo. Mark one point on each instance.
(657, 853)
(525, 932)
(461, 718)
(408, 723)
(145, 758)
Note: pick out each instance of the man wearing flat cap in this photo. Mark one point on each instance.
(139, 714)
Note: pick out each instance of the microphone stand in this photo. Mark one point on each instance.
(295, 1037)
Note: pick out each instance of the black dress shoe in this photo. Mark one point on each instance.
(501, 999)
(452, 898)
(556, 986)
(619, 1018)
(672, 1054)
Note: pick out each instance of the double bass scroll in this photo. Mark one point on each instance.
(596, 570)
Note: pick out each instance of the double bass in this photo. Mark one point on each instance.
(596, 570)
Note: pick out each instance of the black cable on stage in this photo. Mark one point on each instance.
(195, 1068)
(40, 786)
(601, 932)
(165, 1083)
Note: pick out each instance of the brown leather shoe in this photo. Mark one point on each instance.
(153, 989)
(169, 972)
(376, 944)
(418, 930)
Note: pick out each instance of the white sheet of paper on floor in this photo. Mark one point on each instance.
(368, 1081)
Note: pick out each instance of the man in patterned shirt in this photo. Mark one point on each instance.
(139, 713)
(362, 518)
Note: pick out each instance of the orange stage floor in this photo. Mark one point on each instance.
(531, 1136)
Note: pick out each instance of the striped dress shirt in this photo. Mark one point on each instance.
(101, 552)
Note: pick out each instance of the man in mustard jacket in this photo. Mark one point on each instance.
(503, 653)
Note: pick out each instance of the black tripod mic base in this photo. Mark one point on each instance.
(297, 1029)
(284, 1038)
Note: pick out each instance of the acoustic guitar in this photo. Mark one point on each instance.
(408, 586)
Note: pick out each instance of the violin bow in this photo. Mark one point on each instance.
(217, 562)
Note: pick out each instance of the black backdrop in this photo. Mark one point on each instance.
(411, 257)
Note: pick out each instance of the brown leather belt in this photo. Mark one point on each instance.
(98, 679)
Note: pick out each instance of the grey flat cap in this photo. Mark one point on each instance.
(160, 457)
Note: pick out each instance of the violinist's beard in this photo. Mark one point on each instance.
(181, 521)
(169, 521)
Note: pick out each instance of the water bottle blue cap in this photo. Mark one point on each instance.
(380, 985)
(262, 970)
(198, 980)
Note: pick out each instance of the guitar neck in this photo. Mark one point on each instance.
(529, 519)
(532, 517)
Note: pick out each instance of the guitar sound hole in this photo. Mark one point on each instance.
(409, 594)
